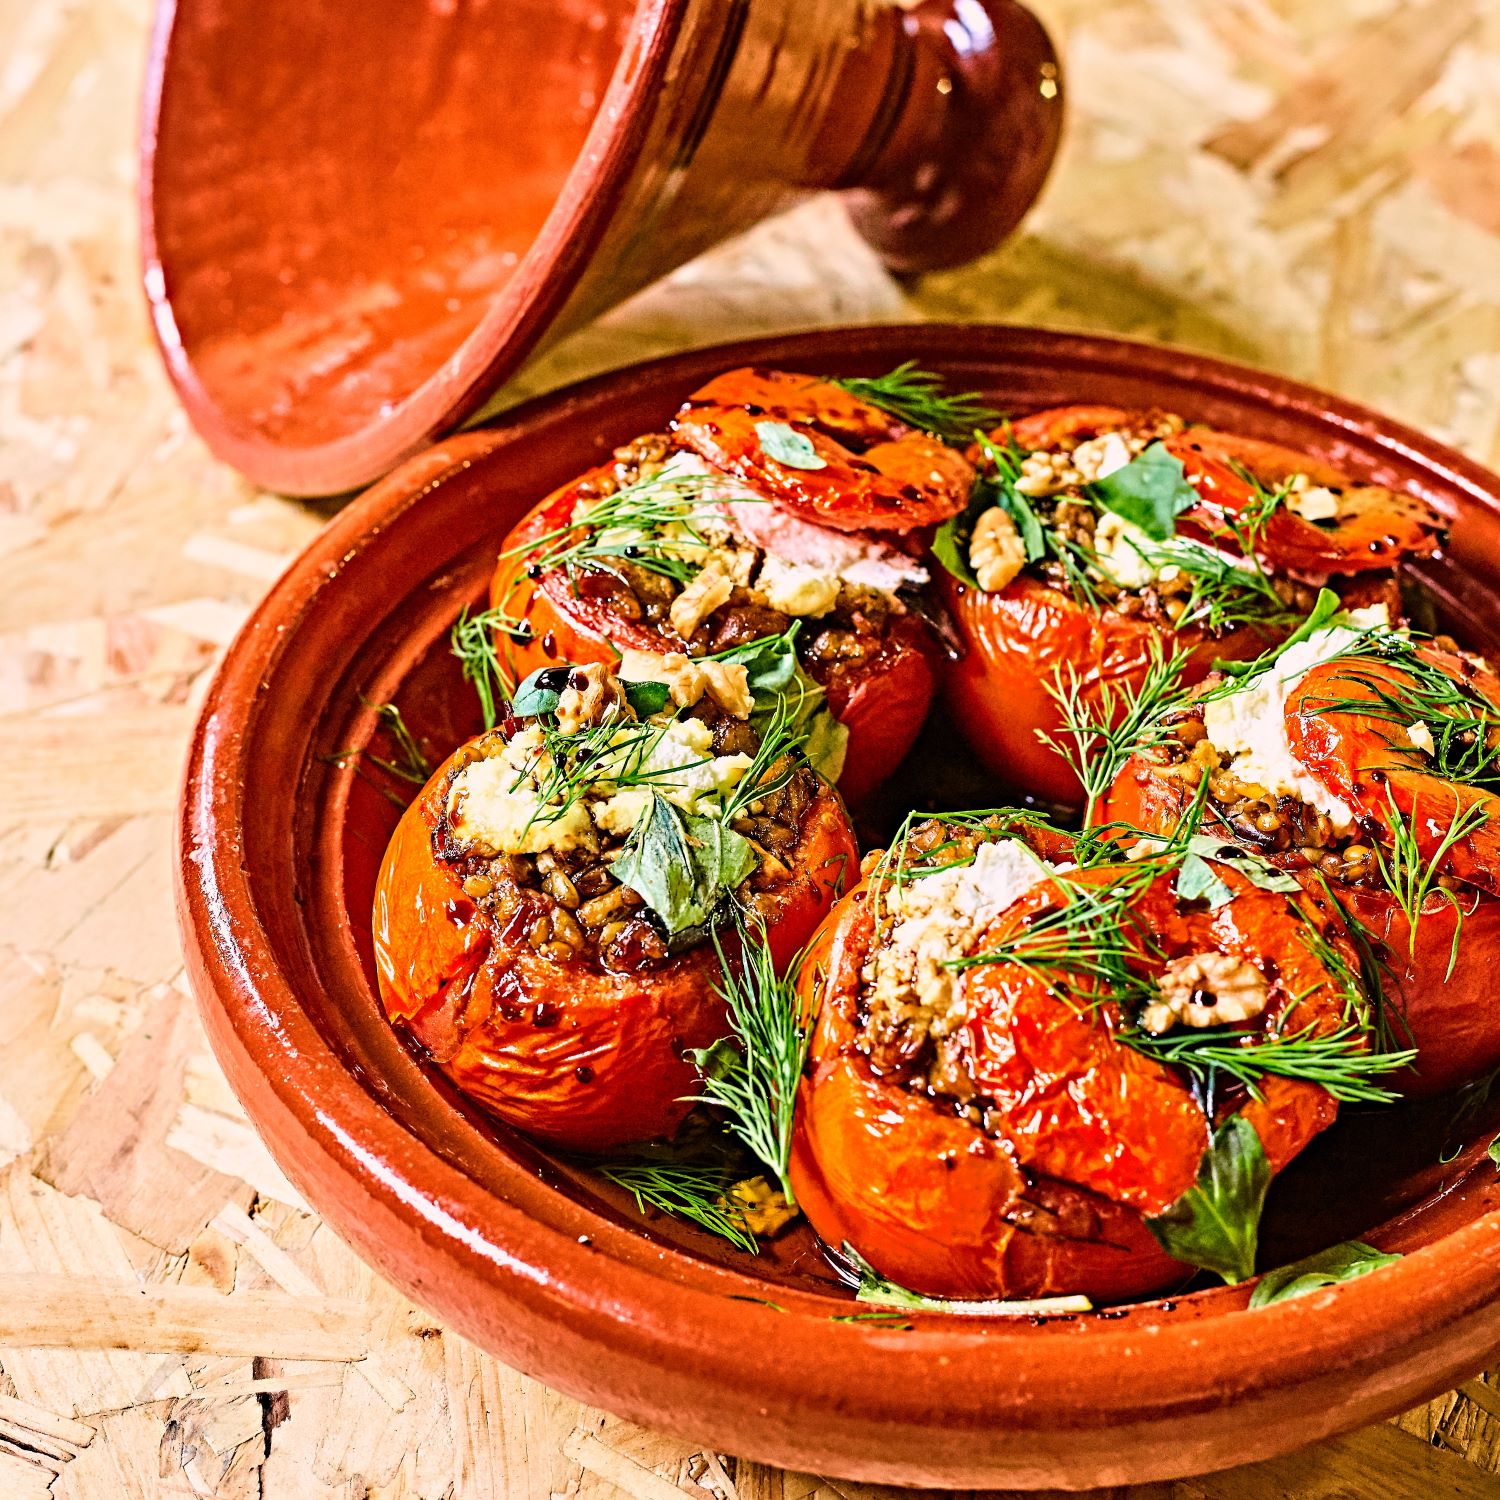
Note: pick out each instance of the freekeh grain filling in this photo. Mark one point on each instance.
(536, 852)
(844, 618)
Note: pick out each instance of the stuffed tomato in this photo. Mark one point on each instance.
(779, 506)
(1104, 541)
(1363, 761)
(1018, 1060)
(547, 912)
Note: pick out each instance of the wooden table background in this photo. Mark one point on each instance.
(1311, 185)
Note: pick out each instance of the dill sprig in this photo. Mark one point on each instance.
(1340, 1061)
(1362, 983)
(473, 642)
(1103, 726)
(1091, 946)
(1411, 878)
(752, 1074)
(655, 524)
(410, 764)
(684, 1183)
(1464, 726)
(920, 398)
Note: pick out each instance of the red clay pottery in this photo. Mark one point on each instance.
(280, 842)
(358, 220)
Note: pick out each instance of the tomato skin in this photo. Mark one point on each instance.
(573, 1054)
(1092, 1136)
(1452, 1020)
(1015, 641)
(1382, 529)
(926, 1197)
(881, 701)
(894, 478)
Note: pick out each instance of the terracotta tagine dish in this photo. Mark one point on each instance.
(440, 1080)
(358, 221)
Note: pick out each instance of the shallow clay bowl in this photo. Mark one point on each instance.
(280, 840)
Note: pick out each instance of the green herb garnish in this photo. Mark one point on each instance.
(1150, 492)
(473, 642)
(1411, 879)
(919, 398)
(1215, 1224)
(788, 446)
(685, 1183)
(752, 1075)
(1339, 1061)
(1104, 724)
(1328, 1267)
(682, 864)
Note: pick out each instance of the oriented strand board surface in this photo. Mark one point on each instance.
(1313, 185)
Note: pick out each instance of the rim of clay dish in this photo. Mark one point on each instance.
(665, 1310)
(518, 314)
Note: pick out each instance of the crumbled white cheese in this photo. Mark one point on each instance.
(1125, 551)
(688, 678)
(495, 806)
(1421, 738)
(1250, 724)
(1101, 456)
(796, 589)
(940, 917)
(682, 769)
(1316, 503)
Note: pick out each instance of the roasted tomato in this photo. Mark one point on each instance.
(1104, 598)
(988, 1132)
(1392, 842)
(511, 947)
(1002, 689)
(704, 541)
(868, 471)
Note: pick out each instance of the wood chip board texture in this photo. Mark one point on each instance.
(1311, 185)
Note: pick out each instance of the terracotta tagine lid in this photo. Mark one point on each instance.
(357, 220)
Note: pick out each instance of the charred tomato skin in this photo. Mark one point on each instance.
(567, 1051)
(882, 700)
(940, 1206)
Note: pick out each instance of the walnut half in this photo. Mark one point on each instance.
(996, 552)
(1206, 989)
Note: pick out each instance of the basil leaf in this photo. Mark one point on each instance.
(1494, 1151)
(788, 446)
(1151, 491)
(646, 698)
(1258, 871)
(950, 545)
(682, 865)
(826, 744)
(1028, 523)
(540, 692)
(1215, 1224)
(770, 663)
(1326, 1268)
(1198, 881)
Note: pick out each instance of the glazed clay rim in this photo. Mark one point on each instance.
(650, 1313)
(518, 315)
